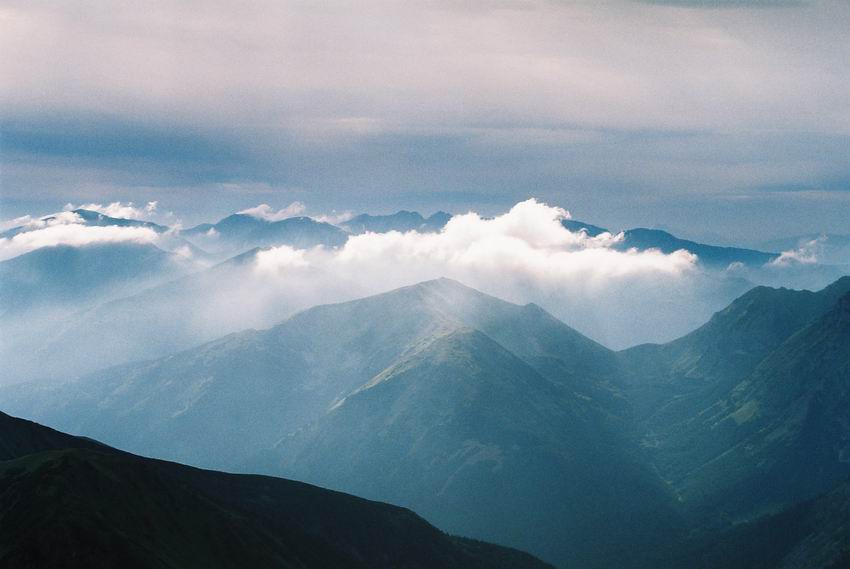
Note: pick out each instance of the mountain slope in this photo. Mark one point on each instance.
(780, 436)
(746, 415)
(294, 372)
(228, 402)
(814, 535)
(53, 276)
(473, 437)
(66, 503)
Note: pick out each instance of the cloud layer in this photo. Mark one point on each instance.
(619, 108)
(74, 235)
(119, 209)
(524, 255)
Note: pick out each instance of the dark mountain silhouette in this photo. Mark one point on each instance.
(71, 502)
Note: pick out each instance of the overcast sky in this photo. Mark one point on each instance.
(724, 120)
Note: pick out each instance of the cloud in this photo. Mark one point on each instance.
(524, 255)
(571, 98)
(118, 209)
(807, 253)
(334, 218)
(265, 211)
(528, 240)
(72, 234)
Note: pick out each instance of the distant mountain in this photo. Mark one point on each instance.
(496, 418)
(92, 219)
(241, 232)
(709, 255)
(51, 277)
(71, 502)
(747, 414)
(576, 226)
(401, 221)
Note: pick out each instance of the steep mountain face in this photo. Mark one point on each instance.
(400, 221)
(495, 396)
(240, 232)
(747, 415)
(70, 502)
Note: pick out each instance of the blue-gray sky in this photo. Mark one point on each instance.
(726, 119)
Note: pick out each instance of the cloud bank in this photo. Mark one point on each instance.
(118, 209)
(524, 255)
(73, 234)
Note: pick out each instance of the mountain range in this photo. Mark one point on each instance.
(436, 363)
(493, 420)
(71, 502)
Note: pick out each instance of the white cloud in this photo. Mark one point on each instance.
(524, 255)
(16, 222)
(265, 211)
(334, 218)
(529, 240)
(807, 253)
(73, 234)
(118, 209)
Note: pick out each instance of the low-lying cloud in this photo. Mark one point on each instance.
(72, 234)
(121, 210)
(524, 255)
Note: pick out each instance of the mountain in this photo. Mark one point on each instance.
(517, 416)
(472, 436)
(814, 534)
(719, 354)
(400, 221)
(52, 277)
(71, 502)
(708, 255)
(576, 226)
(240, 232)
(746, 415)
(89, 218)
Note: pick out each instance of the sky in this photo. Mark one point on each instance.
(724, 120)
